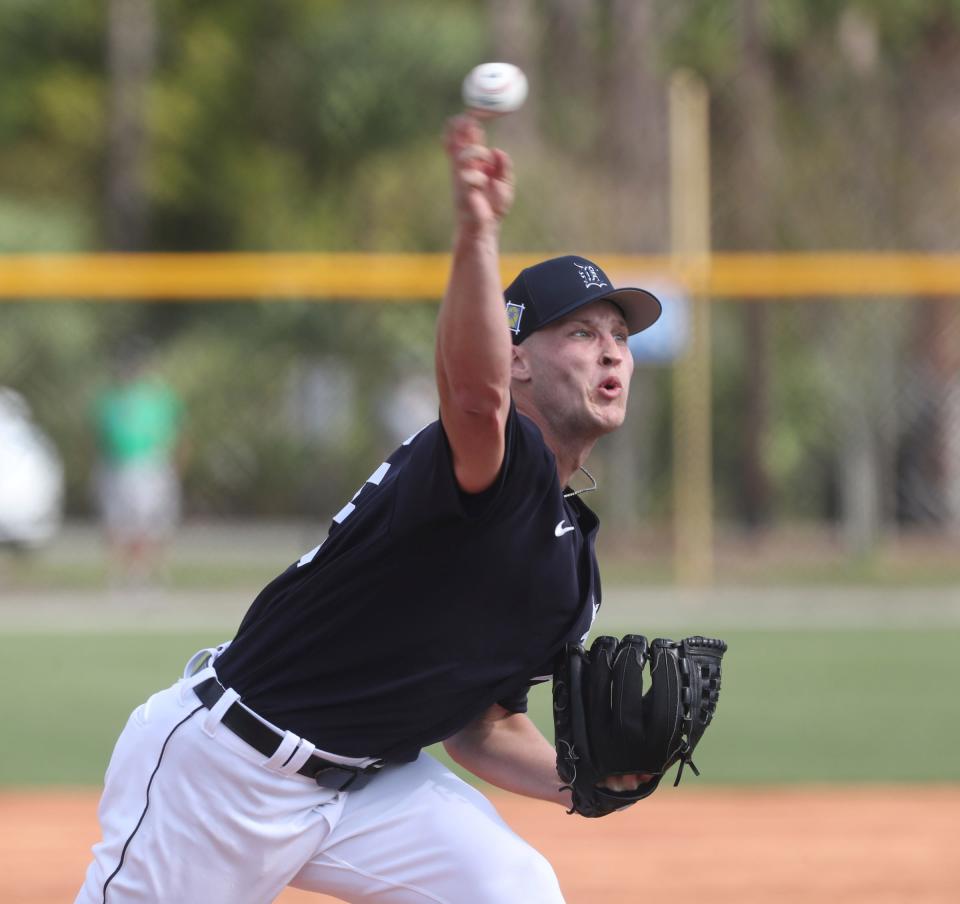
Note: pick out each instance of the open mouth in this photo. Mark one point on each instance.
(610, 388)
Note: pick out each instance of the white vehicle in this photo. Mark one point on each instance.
(31, 476)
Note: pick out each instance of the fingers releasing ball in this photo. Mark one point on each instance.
(492, 89)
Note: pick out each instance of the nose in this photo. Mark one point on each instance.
(611, 353)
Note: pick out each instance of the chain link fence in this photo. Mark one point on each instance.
(288, 405)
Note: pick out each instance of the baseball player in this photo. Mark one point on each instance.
(292, 755)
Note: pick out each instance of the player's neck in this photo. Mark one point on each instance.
(571, 452)
(569, 461)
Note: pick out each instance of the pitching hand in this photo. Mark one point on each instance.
(482, 176)
(625, 782)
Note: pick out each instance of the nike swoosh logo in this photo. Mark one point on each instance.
(560, 530)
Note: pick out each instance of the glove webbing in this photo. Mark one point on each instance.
(710, 693)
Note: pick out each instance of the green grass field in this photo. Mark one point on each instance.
(797, 706)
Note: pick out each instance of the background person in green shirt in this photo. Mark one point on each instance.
(137, 422)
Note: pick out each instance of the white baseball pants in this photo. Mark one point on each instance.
(190, 814)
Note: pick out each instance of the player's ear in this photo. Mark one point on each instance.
(519, 364)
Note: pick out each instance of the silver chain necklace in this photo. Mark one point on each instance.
(590, 477)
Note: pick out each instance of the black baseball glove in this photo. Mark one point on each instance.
(605, 724)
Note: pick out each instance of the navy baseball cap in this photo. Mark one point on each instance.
(550, 290)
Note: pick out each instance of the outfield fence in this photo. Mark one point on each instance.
(834, 400)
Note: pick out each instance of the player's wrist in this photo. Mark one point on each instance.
(563, 796)
(477, 243)
(470, 231)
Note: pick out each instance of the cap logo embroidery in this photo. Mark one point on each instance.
(590, 276)
(514, 315)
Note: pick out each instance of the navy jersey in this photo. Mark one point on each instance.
(424, 605)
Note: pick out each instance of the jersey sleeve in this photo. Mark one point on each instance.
(428, 484)
(517, 702)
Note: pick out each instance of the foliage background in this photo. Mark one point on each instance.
(135, 125)
(314, 125)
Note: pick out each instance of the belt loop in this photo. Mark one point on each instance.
(303, 753)
(187, 684)
(283, 753)
(200, 660)
(213, 717)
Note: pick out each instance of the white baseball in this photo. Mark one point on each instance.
(492, 89)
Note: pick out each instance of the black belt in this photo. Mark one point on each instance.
(246, 726)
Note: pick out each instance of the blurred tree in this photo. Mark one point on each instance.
(866, 421)
(304, 125)
(515, 28)
(51, 123)
(752, 173)
(635, 135)
(930, 454)
(130, 59)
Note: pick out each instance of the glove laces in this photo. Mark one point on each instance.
(685, 758)
(572, 759)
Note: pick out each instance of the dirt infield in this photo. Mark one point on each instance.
(876, 845)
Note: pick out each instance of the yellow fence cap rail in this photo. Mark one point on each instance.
(403, 277)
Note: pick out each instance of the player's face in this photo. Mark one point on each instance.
(579, 370)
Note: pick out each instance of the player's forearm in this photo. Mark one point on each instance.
(473, 342)
(511, 754)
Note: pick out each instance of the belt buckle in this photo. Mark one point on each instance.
(353, 775)
(325, 773)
